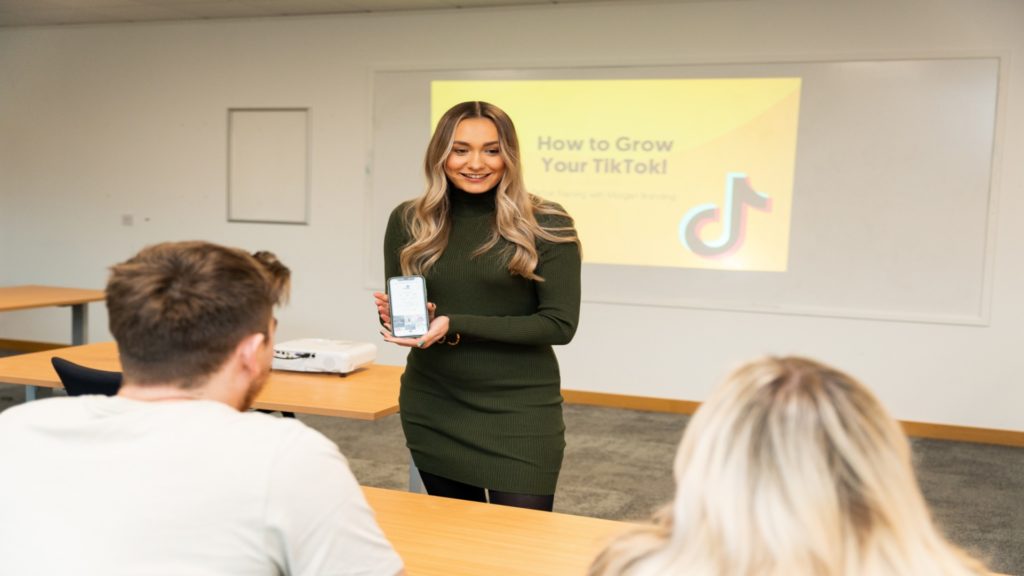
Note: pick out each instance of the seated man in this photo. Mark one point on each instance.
(172, 475)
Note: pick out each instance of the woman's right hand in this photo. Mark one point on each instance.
(383, 310)
(438, 324)
(437, 330)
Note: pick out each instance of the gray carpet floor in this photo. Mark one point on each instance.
(618, 465)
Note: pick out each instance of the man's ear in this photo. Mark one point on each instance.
(249, 352)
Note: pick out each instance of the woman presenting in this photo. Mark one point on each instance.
(481, 404)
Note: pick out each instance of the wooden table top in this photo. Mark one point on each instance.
(441, 536)
(369, 393)
(31, 296)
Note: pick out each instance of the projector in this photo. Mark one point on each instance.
(322, 355)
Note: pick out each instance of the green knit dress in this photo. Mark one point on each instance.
(488, 411)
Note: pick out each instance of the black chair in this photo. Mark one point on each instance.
(283, 413)
(79, 380)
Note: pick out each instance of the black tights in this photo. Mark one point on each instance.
(440, 486)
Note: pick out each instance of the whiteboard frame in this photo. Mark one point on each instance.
(981, 318)
(307, 172)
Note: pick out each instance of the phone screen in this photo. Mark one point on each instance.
(407, 296)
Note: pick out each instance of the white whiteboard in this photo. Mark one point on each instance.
(891, 204)
(268, 165)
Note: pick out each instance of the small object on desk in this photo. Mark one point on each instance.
(323, 355)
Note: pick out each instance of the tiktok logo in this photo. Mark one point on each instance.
(738, 196)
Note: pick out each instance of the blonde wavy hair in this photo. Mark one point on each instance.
(428, 218)
(790, 468)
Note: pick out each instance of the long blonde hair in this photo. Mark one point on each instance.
(428, 218)
(791, 468)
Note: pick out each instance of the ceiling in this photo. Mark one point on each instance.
(67, 12)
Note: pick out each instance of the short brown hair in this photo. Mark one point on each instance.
(178, 309)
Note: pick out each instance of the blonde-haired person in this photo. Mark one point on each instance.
(481, 402)
(791, 468)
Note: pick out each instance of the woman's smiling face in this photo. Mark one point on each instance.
(475, 165)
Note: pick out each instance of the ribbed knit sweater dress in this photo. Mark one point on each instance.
(488, 412)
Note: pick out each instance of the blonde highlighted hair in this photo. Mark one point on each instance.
(791, 467)
(428, 218)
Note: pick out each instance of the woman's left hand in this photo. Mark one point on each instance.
(438, 328)
(380, 299)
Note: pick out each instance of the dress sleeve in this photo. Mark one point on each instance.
(319, 522)
(558, 307)
(395, 237)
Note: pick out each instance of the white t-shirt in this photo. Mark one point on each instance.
(109, 486)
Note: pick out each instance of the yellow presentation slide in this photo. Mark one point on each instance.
(691, 173)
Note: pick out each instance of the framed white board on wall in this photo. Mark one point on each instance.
(268, 165)
(892, 195)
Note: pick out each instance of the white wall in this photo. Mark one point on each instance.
(101, 121)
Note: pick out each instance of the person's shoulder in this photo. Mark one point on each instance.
(551, 215)
(542, 207)
(292, 433)
(51, 416)
(403, 206)
(399, 217)
(541, 204)
(402, 209)
(49, 407)
(303, 454)
(16, 415)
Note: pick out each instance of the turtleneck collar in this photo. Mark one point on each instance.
(471, 204)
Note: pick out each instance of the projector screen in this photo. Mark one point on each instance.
(700, 176)
(854, 189)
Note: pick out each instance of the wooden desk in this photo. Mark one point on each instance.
(33, 296)
(440, 536)
(367, 394)
(30, 296)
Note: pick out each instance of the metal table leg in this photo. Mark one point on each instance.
(79, 324)
(79, 334)
(415, 482)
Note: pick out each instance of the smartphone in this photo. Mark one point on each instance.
(407, 298)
